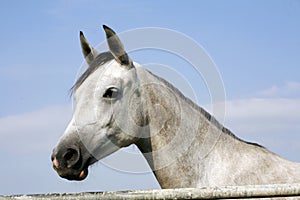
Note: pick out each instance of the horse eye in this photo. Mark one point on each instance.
(111, 93)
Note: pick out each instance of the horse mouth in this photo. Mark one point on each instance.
(73, 174)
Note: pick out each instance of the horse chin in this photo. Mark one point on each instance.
(75, 176)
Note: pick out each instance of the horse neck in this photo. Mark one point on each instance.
(180, 133)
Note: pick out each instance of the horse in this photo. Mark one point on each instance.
(118, 103)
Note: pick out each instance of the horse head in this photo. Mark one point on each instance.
(107, 110)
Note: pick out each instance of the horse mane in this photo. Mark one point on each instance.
(100, 60)
(206, 114)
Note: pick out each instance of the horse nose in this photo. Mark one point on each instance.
(66, 158)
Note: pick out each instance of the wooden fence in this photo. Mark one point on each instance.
(228, 192)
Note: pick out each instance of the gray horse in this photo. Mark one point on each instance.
(119, 103)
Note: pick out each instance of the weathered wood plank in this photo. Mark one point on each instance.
(229, 192)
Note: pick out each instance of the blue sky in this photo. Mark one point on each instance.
(255, 45)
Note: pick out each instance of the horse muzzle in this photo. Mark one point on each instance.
(70, 163)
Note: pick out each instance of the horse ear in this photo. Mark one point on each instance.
(116, 48)
(88, 51)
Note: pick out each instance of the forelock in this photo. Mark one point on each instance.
(100, 60)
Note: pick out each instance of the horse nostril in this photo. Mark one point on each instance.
(70, 154)
(71, 157)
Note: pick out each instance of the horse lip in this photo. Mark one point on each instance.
(76, 174)
(73, 175)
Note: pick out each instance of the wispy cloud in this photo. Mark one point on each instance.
(290, 89)
(274, 123)
(268, 115)
(33, 132)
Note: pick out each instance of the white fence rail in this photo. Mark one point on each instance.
(228, 192)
